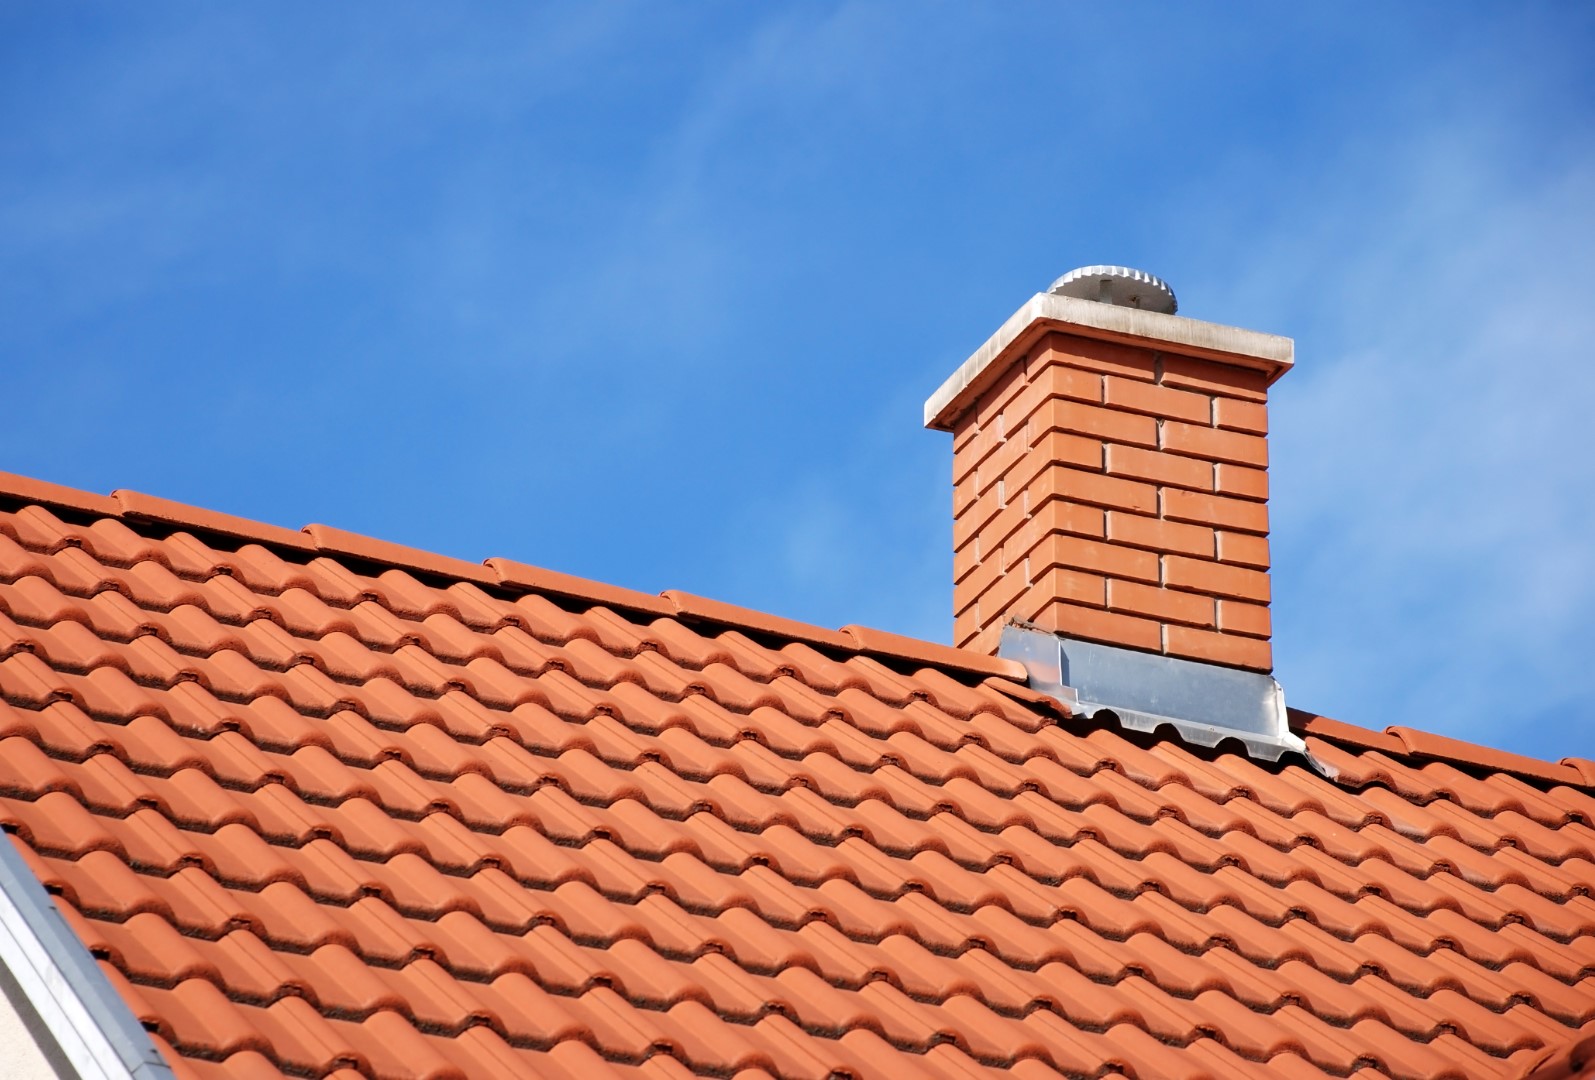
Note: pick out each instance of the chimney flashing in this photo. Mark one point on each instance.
(1205, 704)
(1047, 312)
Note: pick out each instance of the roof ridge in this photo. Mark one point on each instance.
(134, 507)
(1413, 744)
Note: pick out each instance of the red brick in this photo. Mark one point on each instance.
(1159, 535)
(1237, 415)
(1071, 416)
(1054, 516)
(1108, 357)
(996, 530)
(966, 626)
(1095, 624)
(1075, 586)
(1231, 650)
(986, 641)
(1055, 448)
(1020, 525)
(1225, 513)
(1017, 462)
(1063, 448)
(1070, 384)
(998, 463)
(1159, 468)
(1008, 416)
(1095, 555)
(976, 584)
(1243, 549)
(1025, 589)
(1156, 400)
(997, 601)
(973, 520)
(1242, 481)
(1236, 617)
(1158, 603)
(963, 496)
(965, 559)
(1111, 492)
(1214, 444)
(964, 429)
(1216, 579)
(1212, 377)
(995, 398)
(976, 450)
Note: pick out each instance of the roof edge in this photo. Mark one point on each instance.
(1414, 745)
(696, 608)
(136, 508)
(88, 1020)
(1046, 312)
(538, 579)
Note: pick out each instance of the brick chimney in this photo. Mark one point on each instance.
(1110, 477)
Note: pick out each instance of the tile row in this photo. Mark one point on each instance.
(344, 556)
(839, 763)
(434, 993)
(598, 894)
(547, 838)
(258, 574)
(368, 642)
(652, 811)
(721, 1021)
(527, 633)
(303, 1042)
(492, 684)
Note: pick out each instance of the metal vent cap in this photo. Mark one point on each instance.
(1117, 285)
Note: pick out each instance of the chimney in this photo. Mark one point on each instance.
(1110, 477)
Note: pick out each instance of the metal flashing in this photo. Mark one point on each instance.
(1204, 703)
(91, 1025)
(1045, 312)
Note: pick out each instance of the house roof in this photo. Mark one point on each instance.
(325, 806)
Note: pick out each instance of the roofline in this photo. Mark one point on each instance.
(81, 1011)
(1415, 745)
(1046, 312)
(135, 509)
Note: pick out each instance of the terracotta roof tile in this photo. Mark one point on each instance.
(327, 806)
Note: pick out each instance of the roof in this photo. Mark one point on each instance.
(325, 806)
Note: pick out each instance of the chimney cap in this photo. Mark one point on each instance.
(1046, 312)
(1120, 286)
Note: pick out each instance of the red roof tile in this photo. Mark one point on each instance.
(326, 806)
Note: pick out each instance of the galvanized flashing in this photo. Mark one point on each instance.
(1204, 703)
(92, 1026)
(1046, 312)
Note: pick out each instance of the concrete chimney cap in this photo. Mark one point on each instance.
(1117, 285)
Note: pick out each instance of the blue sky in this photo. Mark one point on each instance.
(654, 293)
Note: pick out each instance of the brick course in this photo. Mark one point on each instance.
(1116, 493)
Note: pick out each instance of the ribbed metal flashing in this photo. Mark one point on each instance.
(84, 1021)
(1204, 703)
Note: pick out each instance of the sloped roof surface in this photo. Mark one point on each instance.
(324, 806)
